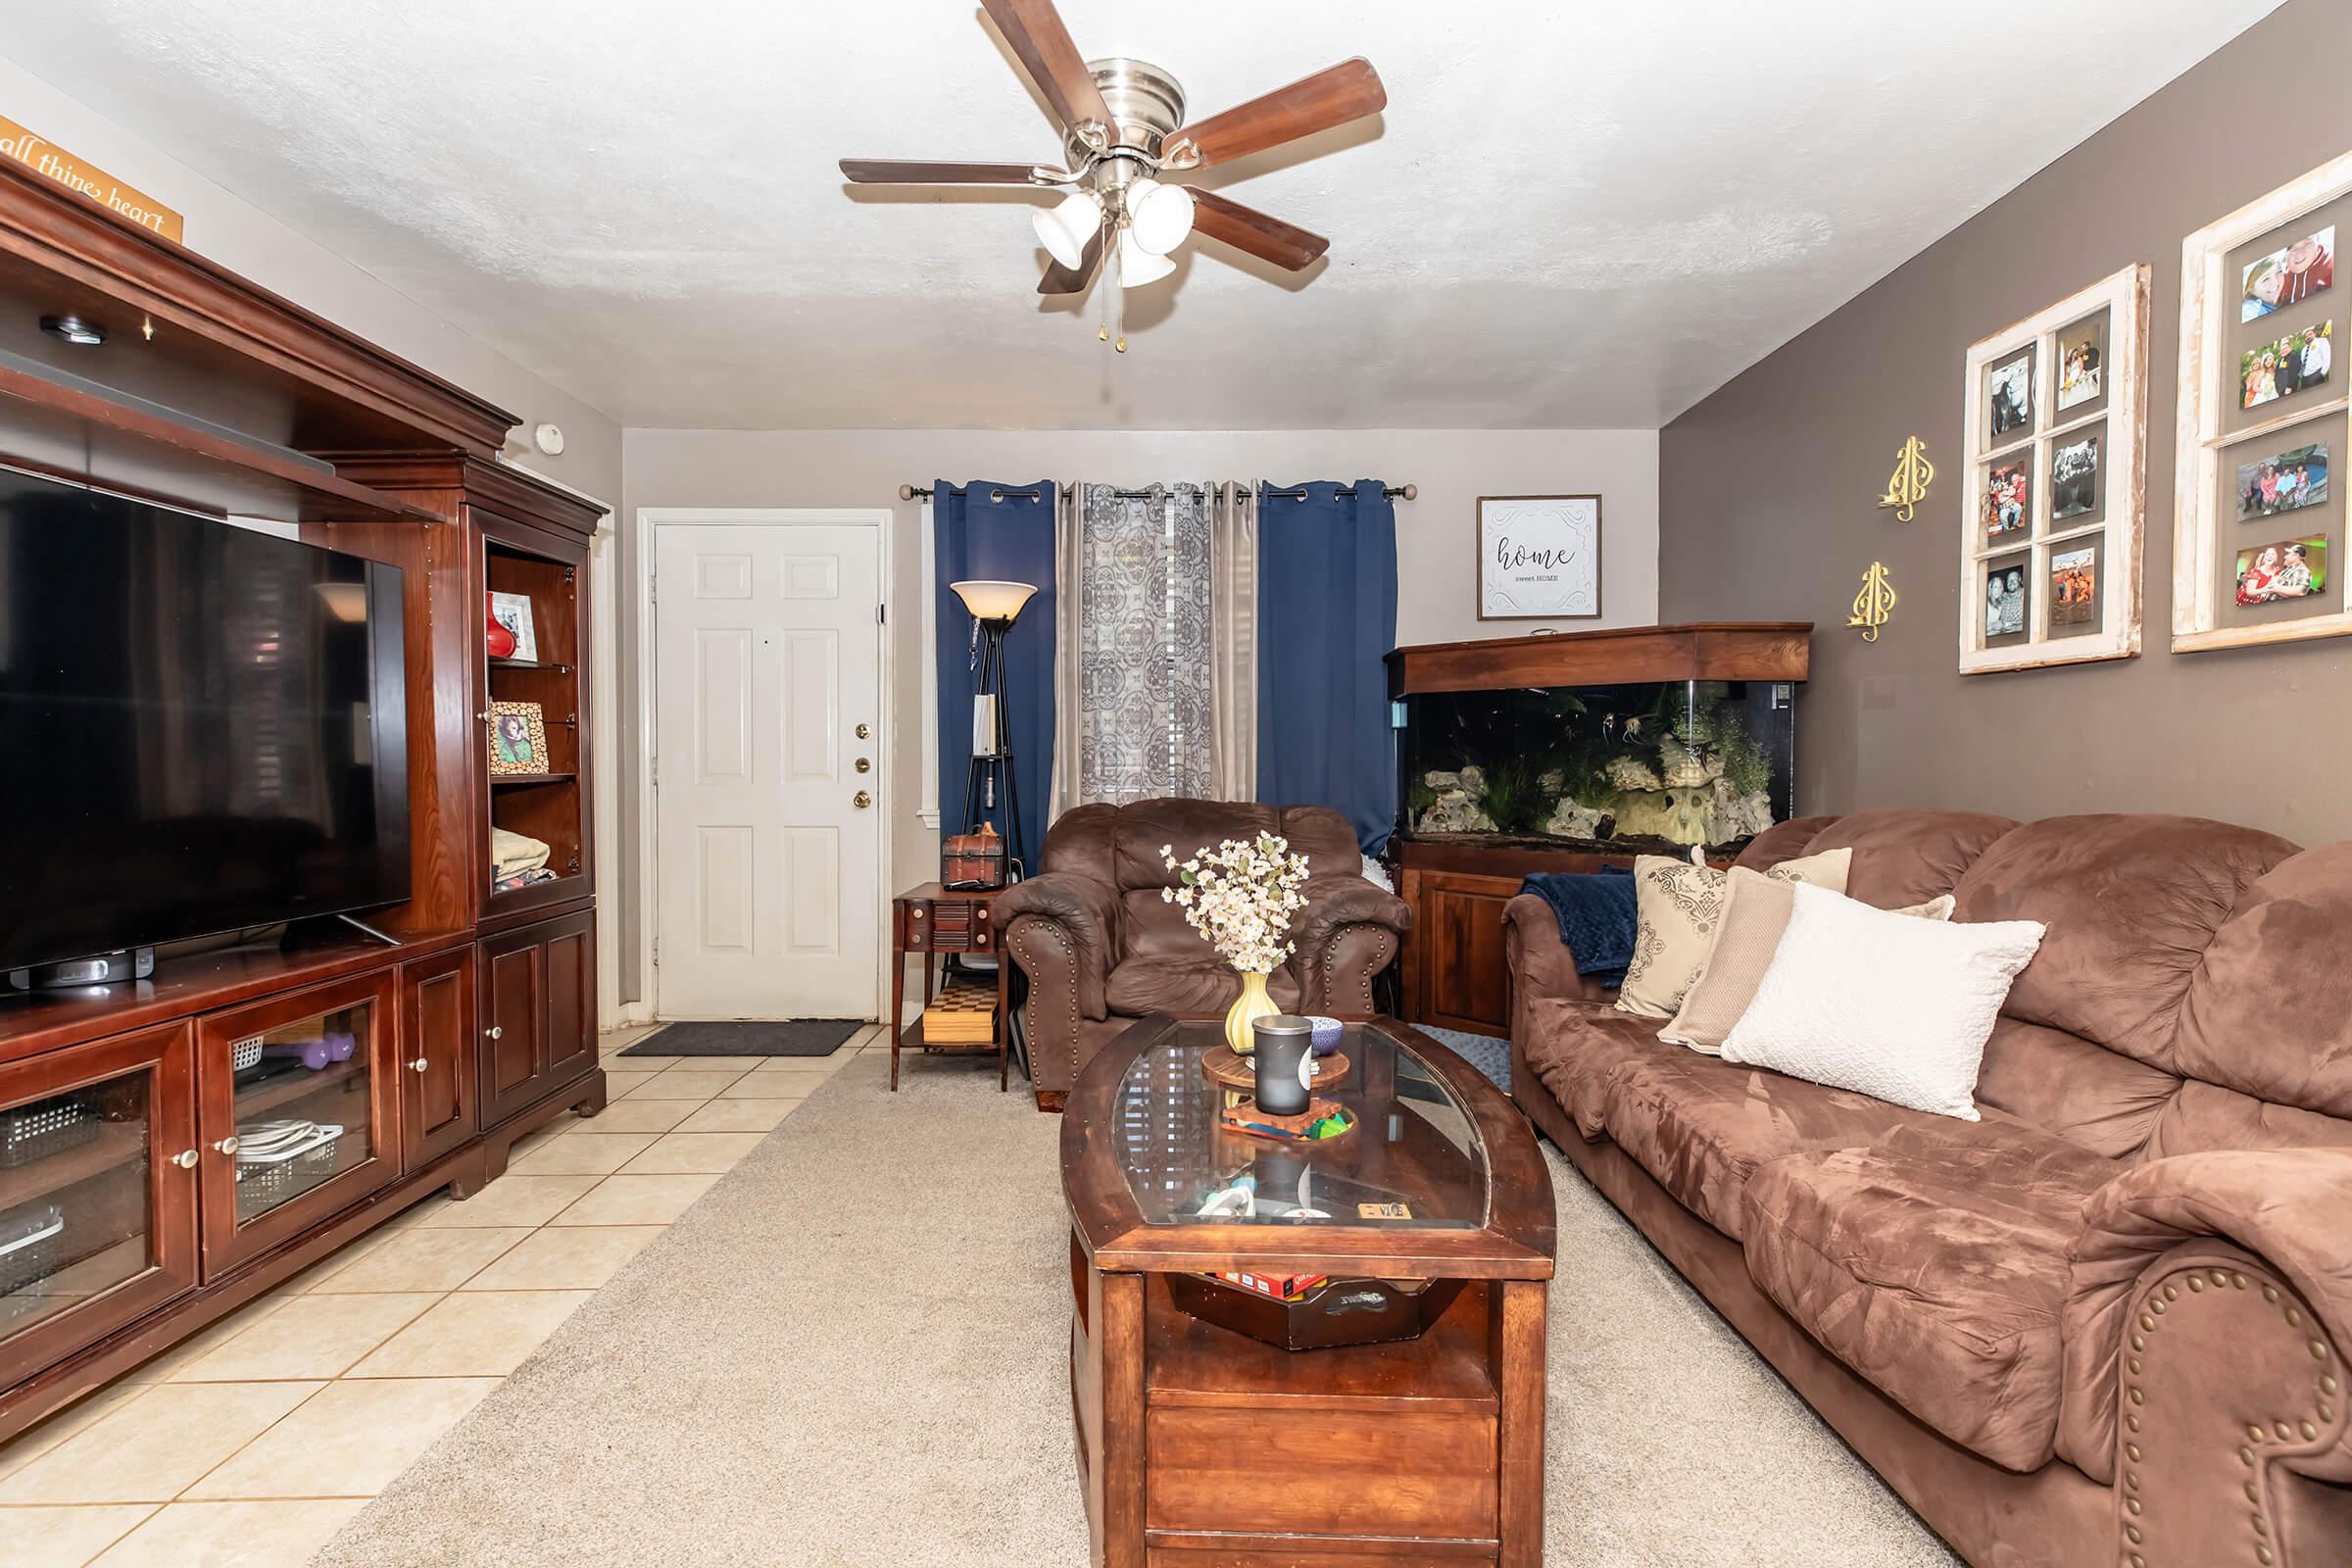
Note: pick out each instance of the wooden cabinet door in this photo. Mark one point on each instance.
(98, 1187)
(1461, 976)
(297, 1112)
(440, 1077)
(538, 1011)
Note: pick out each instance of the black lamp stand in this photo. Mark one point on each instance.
(987, 783)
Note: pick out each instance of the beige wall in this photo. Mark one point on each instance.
(233, 231)
(1435, 561)
(1768, 489)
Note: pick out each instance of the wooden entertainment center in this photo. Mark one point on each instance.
(477, 1023)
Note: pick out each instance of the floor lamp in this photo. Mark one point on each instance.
(995, 607)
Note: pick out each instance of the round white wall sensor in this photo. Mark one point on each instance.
(550, 438)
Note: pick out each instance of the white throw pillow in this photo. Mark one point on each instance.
(1883, 1004)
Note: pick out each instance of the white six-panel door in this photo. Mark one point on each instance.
(766, 771)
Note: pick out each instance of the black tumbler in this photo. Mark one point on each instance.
(1285, 1052)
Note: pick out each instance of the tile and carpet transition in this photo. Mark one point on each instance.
(853, 1351)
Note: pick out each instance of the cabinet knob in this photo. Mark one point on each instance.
(185, 1159)
(494, 1032)
(230, 1145)
(419, 1065)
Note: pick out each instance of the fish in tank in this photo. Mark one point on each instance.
(1656, 763)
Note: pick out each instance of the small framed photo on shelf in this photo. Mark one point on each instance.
(518, 739)
(513, 612)
(2262, 414)
(2056, 423)
(1539, 557)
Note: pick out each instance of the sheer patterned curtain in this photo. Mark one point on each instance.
(1142, 641)
(1233, 654)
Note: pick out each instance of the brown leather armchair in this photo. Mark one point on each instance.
(1102, 948)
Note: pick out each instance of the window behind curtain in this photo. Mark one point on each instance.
(1144, 644)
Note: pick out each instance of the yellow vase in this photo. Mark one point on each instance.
(1250, 1005)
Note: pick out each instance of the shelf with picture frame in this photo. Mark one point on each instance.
(530, 715)
(2054, 495)
(2258, 524)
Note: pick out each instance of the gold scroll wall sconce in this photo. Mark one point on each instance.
(1874, 606)
(1908, 485)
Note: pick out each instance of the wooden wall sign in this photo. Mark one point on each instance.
(1539, 557)
(55, 163)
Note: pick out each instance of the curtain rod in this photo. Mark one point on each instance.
(912, 492)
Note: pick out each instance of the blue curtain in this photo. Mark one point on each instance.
(1004, 532)
(1327, 618)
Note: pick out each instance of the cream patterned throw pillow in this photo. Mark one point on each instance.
(1677, 907)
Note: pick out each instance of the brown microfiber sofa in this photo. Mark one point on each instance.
(1102, 948)
(2106, 1324)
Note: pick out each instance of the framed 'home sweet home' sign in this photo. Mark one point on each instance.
(1539, 557)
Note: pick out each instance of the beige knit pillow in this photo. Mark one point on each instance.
(1676, 908)
(1755, 911)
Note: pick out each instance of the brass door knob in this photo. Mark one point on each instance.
(861, 800)
(863, 765)
(864, 732)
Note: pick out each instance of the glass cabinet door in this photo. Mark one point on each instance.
(300, 1124)
(97, 1200)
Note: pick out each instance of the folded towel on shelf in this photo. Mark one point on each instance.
(512, 853)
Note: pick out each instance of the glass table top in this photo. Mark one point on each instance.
(1412, 1160)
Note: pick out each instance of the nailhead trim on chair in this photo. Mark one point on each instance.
(1069, 953)
(1331, 959)
(2158, 1300)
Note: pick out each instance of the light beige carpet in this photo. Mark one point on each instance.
(854, 1351)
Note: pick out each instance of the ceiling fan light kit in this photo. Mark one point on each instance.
(1125, 136)
(1066, 227)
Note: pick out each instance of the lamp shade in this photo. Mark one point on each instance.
(1158, 216)
(1066, 229)
(993, 601)
(1138, 266)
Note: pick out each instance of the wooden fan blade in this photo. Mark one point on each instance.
(1246, 228)
(1060, 279)
(1033, 29)
(1349, 90)
(913, 172)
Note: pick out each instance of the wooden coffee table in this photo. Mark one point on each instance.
(1202, 1448)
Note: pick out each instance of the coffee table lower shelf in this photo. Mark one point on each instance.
(1199, 1448)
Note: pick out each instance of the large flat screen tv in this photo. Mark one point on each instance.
(202, 726)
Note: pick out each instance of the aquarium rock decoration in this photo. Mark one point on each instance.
(1457, 808)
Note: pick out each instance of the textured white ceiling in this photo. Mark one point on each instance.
(1589, 213)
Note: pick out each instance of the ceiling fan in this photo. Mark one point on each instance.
(1126, 136)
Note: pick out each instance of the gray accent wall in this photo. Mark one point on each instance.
(1768, 490)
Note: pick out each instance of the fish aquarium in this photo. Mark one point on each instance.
(1631, 766)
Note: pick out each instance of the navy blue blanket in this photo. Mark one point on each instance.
(1596, 917)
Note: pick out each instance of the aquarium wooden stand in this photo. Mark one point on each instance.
(1453, 969)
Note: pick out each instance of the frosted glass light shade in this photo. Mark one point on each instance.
(1066, 229)
(992, 601)
(1158, 216)
(1138, 266)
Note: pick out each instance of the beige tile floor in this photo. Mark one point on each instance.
(249, 1445)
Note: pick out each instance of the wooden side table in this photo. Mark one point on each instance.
(933, 921)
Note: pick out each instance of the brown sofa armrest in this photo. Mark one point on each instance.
(1086, 913)
(2208, 1313)
(1542, 967)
